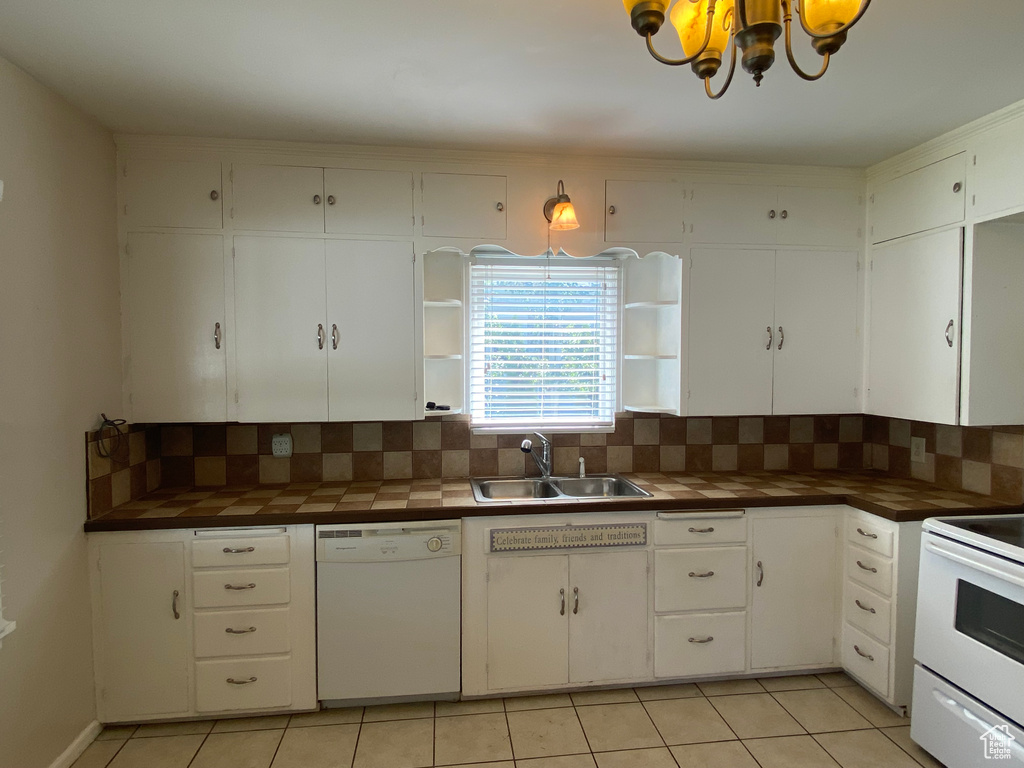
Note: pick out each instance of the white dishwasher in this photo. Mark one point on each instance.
(388, 611)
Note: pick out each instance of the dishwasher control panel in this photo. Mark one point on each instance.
(398, 541)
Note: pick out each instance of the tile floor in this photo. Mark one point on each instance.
(805, 721)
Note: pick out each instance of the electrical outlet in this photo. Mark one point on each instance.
(281, 445)
(917, 449)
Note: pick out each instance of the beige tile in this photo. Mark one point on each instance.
(819, 711)
(242, 439)
(688, 721)
(673, 458)
(948, 440)
(751, 431)
(396, 744)
(870, 707)
(646, 431)
(836, 679)
(790, 683)
(565, 761)
(722, 754)
(120, 487)
(98, 754)
(511, 461)
(864, 749)
(801, 429)
(471, 738)
(899, 433)
(698, 431)
(275, 470)
(329, 746)
(97, 465)
(592, 439)
(119, 732)
(901, 736)
(659, 757)
(724, 458)
(618, 726)
(789, 752)
(755, 716)
(977, 477)
(478, 707)
(158, 752)
(173, 729)
(411, 711)
(248, 749)
(1007, 449)
(136, 448)
(730, 687)
(337, 467)
(397, 464)
(776, 456)
(620, 458)
(455, 463)
(615, 696)
(327, 717)
(546, 732)
(546, 701)
(266, 723)
(659, 692)
(306, 438)
(367, 437)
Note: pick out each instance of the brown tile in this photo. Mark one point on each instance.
(673, 458)
(1007, 449)
(826, 429)
(647, 458)
(455, 435)
(504, 441)
(209, 440)
(306, 438)
(367, 436)
(242, 470)
(426, 464)
(978, 444)
(565, 439)
(948, 471)
(750, 457)
(673, 430)
(698, 458)
(826, 455)
(138, 480)
(699, 431)
(177, 472)
(274, 469)
(397, 436)
(977, 476)
(725, 430)
(776, 456)
(1007, 483)
(306, 468)
(483, 442)
(368, 465)
(620, 458)
(776, 429)
(210, 470)
(397, 465)
(926, 430)
(595, 458)
(801, 457)
(153, 443)
(336, 438)
(949, 440)
(646, 431)
(176, 440)
(136, 448)
(879, 456)
(899, 433)
(851, 429)
(242, 439)
(100, 495)
(899, 461)
(265, 434)
(623, 434)
(454, 464)
(724, 458)
(483, 463)
(851, 456)
(878, 429)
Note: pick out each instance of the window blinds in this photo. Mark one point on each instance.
(542, 346)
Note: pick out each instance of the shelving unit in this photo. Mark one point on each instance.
(443, 330)
(652, 370)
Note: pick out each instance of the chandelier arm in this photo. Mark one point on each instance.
(688, 59)
(787, 22)
(822, 35)
(728, 78)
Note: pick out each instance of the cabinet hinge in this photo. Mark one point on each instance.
(421, 183)
(127, 249)
(236, 397)
(975, 160)
(232, 213)
(124, 171)
(126, 210)
(421, 221)
(232, 251)
(415, 397)
(231, 174)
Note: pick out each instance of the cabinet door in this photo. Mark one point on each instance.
(817, 354)
(731, 309)
(464, 205)
(370, 308)
(822, 217)
(924, 199)
(368, 202)
(607, 603)
(142, 658)
(643, 212)
(278, 198)
(282, 337)
(173, 193)
(527, 621)
(794, 605)
(915, 298)
(737, 214)
(175, 307)
(998, 170)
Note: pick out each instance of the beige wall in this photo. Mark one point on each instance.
(59, 367)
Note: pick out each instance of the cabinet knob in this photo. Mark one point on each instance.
(611, 210)
(957, 186)
(316, 199)
(784, 214)
(771, 214)
(214, 195)
(500, 207)
(331, 200)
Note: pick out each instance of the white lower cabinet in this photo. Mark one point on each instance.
(700, 644)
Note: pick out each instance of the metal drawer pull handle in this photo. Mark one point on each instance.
(866, 567)
(760, 573)
(241, 682)
(869, 535)
(216, 335)
(174, 605)
(701, 575)
(701, 530)
(320, 335)
(575, 600)
(244, 586)
(861, 653)
(561, 594)
(770, 338)
(230, 551)
(335, 335)
(782, 337)
(864, 607)
(949, 337)
(231, 631)
(707, 639)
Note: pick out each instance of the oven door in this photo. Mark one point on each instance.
(970, 622)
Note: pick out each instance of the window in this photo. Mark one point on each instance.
(542, 346)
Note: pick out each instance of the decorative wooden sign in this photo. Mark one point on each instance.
(568, 537)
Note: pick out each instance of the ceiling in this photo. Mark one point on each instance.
(524, 75)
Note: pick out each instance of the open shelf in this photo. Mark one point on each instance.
(650, 357)
(648, 409)
(651, 304)
(442, 357)
(454, 303)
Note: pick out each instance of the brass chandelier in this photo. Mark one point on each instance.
(709, 28)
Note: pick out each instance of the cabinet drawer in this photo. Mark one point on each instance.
(866, 659)
(876, 537)
(869, 569)
(700, 578)
(866, 610)
(678, 651)
(256, 586)
(241, 633)
(698, 529)
(250, 550)
(259, 684)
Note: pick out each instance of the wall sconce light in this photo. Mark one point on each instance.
(559, 212)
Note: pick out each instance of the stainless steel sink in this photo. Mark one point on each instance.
(524, 488)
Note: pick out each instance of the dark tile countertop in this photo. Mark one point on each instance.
(398, 500)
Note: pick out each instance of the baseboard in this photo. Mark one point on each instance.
(78, 746)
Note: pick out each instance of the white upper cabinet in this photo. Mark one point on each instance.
(643, 212)
(278, 198)
(464, 205)
(914, 341)
(173, 193)
(997, 170)
(177, 333)
(927, 198)
(363, 202)
(819, 217)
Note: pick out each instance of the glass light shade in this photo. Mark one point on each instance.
(689, 17)
(564, 217)
(822, 15)
(631, 4)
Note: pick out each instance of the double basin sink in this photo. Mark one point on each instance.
(543, 488)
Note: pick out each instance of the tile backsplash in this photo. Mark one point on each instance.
(129, 469)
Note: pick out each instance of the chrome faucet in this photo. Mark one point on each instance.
(544, 460)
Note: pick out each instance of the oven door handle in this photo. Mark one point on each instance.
(997, 568)
(975, 722)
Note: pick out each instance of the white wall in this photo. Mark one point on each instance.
(59, 367)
